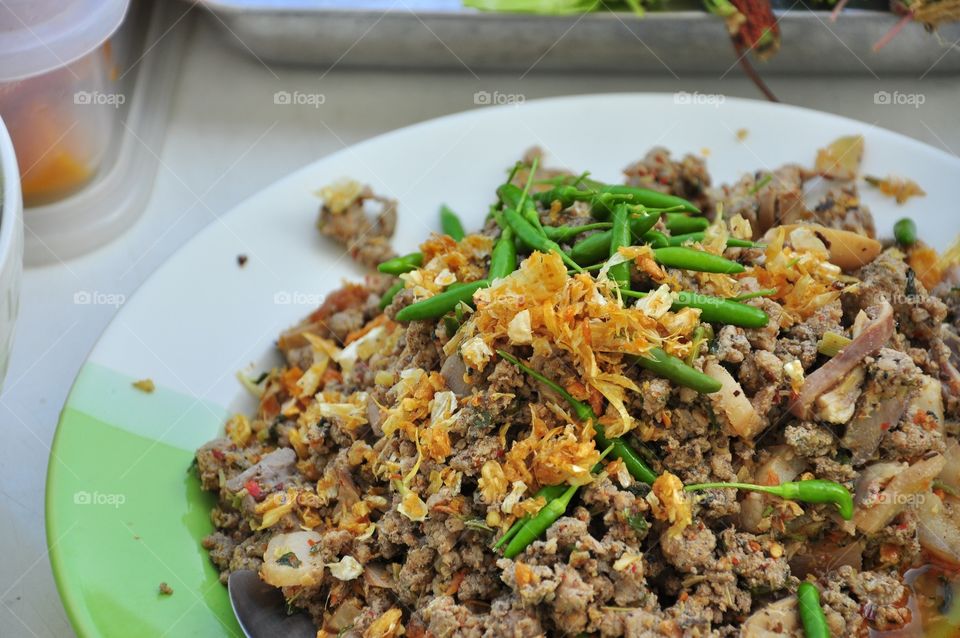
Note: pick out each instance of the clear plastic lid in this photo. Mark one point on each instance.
(37, 36)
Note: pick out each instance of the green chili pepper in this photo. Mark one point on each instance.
(681, 223)
(548, 492)
(642, 196)
(732, 242)
(388, 296)
(503, 257)
(697, 260)
(441, 303)
(656, 239)
(529, 235)
(538, 524)
(715, 309)
(568, 194)
(620, 449)
(451, 224)
(402, 264)
(905, 232)
(620, 236)
(596, 247)
(674, 369)
(566, 233)
(812, 491)
(811, 613)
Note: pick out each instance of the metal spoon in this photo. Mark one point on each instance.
(261, 610)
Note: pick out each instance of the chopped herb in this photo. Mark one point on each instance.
(342, 632)
(756, 293)
(263, 376)
(289, 559)
(638, 523)
(766, 179)
(949, 489)
(478, 525)
(767, 511)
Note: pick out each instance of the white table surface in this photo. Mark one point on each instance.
(226, 140)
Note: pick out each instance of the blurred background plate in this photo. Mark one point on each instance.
(681, 38)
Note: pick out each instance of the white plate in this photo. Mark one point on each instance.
(200, 317)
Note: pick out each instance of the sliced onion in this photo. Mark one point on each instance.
(866, 430)
(776, 620)
(950, 475)
(733, 402)
(939, 528)
(309, 566)
(909, 487)
(873, 337)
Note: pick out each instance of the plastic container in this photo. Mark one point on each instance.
(58, 93)
(88, 131)
(11, 247)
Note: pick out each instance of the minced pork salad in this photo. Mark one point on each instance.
(661, 408)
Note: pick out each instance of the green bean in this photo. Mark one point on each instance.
(528, 234)
(697, 260)
(503, 257)
(635, 465)
(596, 247)
(566, 233)
(905, 232)
(548, 492)
(620, 273)
(715, 309)
(811, 613)
(732, 242)
(681, 223)
(538, 524)
(451, 224)
(388, 296)
(441, 303)
(811, 491)
(402, 264)
(674, 369)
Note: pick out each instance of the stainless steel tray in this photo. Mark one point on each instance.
(440, 34)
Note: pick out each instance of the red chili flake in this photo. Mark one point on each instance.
(217, 454)
(734, 560)
(254, 490)
(885, 426)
